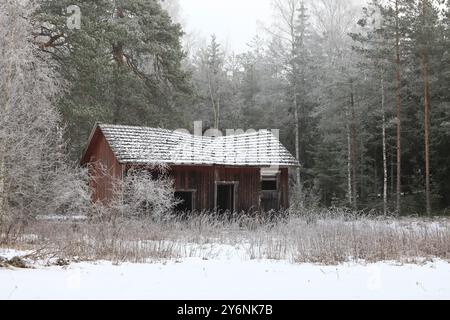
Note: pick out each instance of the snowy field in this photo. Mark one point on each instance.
(357, 258)
(229, 277)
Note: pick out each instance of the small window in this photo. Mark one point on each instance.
(268, 185)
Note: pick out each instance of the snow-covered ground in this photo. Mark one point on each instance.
(226, 278)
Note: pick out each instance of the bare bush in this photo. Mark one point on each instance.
(148, 195)
(140, 194)
(336, 236)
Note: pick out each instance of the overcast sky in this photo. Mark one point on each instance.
(234, 22)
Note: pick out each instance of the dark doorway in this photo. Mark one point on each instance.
(269, 194)
(186, 201)
(225, 197)
(269, 201)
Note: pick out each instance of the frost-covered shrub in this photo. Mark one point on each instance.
(147, 194)
(35, 174)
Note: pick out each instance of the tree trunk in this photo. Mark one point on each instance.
(295, 86)
(2, 181)
(353, 146)
(392, 165)
(383, 125)
(297, 143)
(215, 104)
(217, 120)
(426, 86)
(349, 163)
(375, 176)
(398, 102)
(362, 179)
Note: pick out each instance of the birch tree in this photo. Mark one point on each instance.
(373, 43)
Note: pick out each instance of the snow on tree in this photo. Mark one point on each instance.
(35, 176)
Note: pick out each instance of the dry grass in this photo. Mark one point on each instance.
(327, 237)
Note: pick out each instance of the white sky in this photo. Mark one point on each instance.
(234, 22)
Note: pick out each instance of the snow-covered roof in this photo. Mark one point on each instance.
(142, 145)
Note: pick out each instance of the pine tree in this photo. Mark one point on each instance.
(124, 64)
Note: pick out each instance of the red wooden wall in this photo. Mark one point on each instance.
(202, 179)
(101, 160)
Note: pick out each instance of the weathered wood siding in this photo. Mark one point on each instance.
(283, 184)
(203, 180)
(200, 179)
(249, 185)
(104, 168)
(279, 199)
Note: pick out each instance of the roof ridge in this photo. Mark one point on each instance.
(256, 132)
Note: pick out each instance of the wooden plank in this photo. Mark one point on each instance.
(101, 155)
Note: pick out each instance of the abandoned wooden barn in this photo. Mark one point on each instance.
(244, 172)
